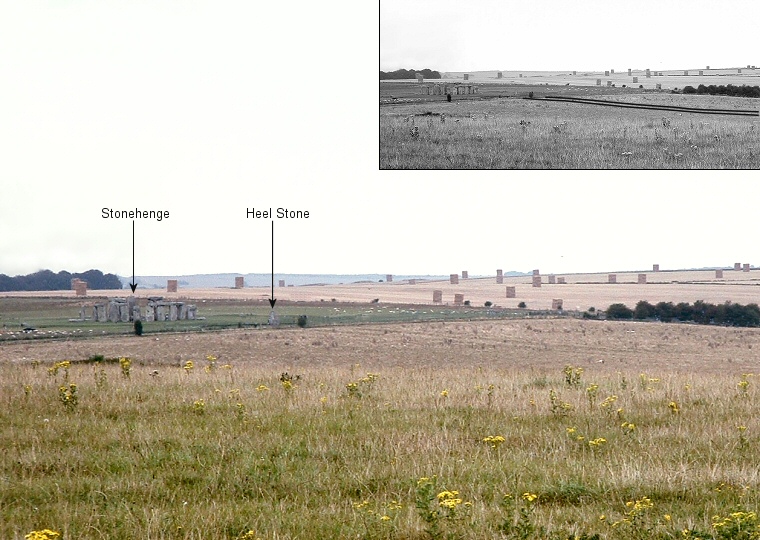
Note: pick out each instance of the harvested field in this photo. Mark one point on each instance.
(534, 344)
(580, 291)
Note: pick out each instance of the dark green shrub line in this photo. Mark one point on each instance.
(700, 312)
(727, 90)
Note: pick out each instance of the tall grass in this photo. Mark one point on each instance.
(217, 451)
(489, 135)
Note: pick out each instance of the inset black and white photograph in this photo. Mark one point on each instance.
(569, 85)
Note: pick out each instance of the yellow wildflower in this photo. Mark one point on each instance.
(45, 534)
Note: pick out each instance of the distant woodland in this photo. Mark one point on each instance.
(46, 280)
(409, 74)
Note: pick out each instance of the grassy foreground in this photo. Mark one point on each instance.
(525, 134)
(216, 451)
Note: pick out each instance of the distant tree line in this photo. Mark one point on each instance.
(727, 90)
(700, 312)
(409, 74)
(46, 280)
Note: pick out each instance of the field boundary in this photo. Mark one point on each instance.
(669, 108)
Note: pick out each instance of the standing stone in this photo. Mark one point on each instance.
(239, 282)
(629, 72)
(82, 313)
(113, 312)
(642, 279)
(160, 312)
(465, 275)
(612, 278)
(552, 279)
(655, 268)
(511, 291)
(536, 281)
(561, 281)
(557, 304)
(131, 303)
(136, 313)
(454, 279)
(191, 312)
(458, 299)
(388, 278)
(719, 274)
(171, 285)
(737, 266)
(150, 314)
(437, 297)
(124, 312)
(635, 79)
(746, 267)
(173, 311)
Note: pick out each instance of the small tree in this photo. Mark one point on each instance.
(644, 310)
(619, 311)
(138, 327)
(522, 305)
(302, 321)
(488, 303)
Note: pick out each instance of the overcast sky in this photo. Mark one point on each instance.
(207, 108)
(473, 35)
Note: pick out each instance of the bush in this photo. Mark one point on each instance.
(644, 310)
(488, 303)
(619, 311)
(466, 302)
(665, 311)
(302, 320)
(689, 90)
(138, 327)
(522, 305)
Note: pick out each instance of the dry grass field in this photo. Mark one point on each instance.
(402, 431)
(496, 129)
